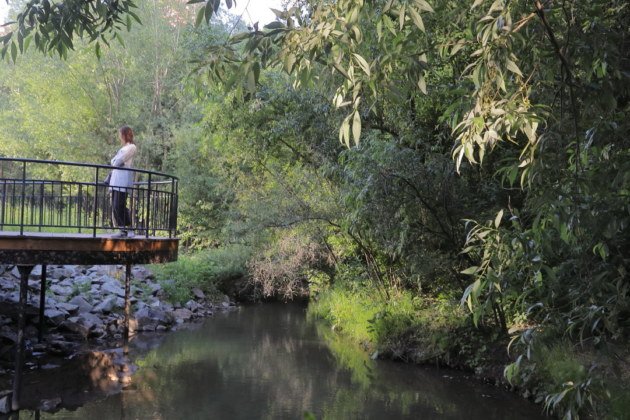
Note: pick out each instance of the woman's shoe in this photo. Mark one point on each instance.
(122, 234)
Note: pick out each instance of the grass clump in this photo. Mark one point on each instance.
(404, 326)
(205, 270)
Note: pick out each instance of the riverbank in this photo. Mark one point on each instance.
(84, 311)
(437, 332)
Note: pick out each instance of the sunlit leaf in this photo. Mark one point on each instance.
(356, 127)
(511, 66)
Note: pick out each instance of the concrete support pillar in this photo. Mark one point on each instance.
(25, 271)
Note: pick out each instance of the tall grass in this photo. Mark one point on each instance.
(205, 270)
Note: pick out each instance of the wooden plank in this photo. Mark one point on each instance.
(85, 249)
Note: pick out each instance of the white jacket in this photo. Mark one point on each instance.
(122, 179)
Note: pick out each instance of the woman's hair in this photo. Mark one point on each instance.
(126, 133)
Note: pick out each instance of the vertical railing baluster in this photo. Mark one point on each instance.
(79, 207)
(95, 203)
(4, 203)
(41, 205)
(175, 199)
(23, 198)
(148, 220)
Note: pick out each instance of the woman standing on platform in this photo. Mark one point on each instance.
(121, 181)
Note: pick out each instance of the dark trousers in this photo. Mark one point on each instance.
(122, 217)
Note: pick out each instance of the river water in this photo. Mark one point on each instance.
(268, 362)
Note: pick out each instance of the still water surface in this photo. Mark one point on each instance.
(268, 362)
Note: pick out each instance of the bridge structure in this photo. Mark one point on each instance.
(54, 212)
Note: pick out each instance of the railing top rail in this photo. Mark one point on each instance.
(84, 165)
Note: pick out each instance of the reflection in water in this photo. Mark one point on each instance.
(267, 361)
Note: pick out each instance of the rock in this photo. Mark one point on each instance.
(31, 331)
(82, 281)
(74, 325)
(61, 273)
(155, 288)
(7, 284)
(95, 279)
(36, 272)
(61, 347)
(97, 332)
(161, 328)
(198, 293)
(182, 314)
(69, 282)
(83, 305)
(49, 405)
(5, 402)
(141, 273)
(139, 305)
(8, 334)
(142, 312)
(146, 324)
(61, 290)
(106, 306)
(113, 288)
(11, 297)
(225, 304)
(34, 285)
(55, 316)
(87, 320)
(192, 306)
(90, 320)
(149, 318)
(68, 307)
(166, 307)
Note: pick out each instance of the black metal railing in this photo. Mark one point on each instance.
(70, 197)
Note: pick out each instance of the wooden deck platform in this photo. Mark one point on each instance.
(33, 248)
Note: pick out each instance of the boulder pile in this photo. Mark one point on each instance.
(85, 306)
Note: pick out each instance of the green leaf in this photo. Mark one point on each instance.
(416, 18)
(422, 84)
(424, 5)
(344, 131)
(200, 15)
(251, 81)
(511, 66)
(497, 220)
(289, 62)
(458, 46)
(401, 16)
(274, 25)
(14, 51)
(470, 270)
(356, 127)
(362, 63)
(207, 14)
